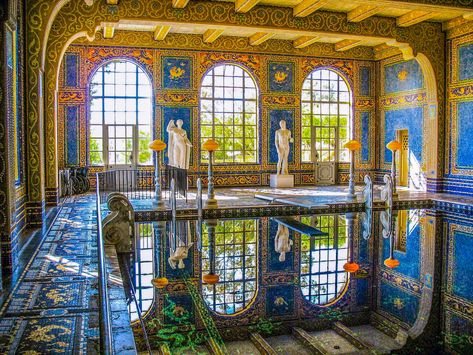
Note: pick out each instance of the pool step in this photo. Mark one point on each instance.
(341, 339)
(242, 347)
(331, 342)
(262, 345)
(382, 343)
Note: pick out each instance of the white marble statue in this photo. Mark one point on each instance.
(178, 145)
(282, 138)
(178, 256)
(282, 243)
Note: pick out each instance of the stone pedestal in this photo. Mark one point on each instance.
(281, 180)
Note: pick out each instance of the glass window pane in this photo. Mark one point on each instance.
(325, 103)
(115, 101)
(226, 116)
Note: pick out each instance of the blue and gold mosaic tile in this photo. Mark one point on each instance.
(281, 77)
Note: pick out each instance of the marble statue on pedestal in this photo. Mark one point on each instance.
(178, 145)
(282, 138)
(282, 243)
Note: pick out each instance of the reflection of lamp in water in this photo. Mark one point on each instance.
(391, 262)
(394, 146)
(352, 146)
(211, 278)
(211, 146)
(157, 146)
(351, 266)
(161, 281)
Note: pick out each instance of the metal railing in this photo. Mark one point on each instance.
(105, 323)
(139, 184)
(133, 183)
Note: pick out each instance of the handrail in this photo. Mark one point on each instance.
(200, 214)
(105, 323)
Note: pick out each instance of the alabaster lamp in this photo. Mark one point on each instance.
(157, 146)
(352, 146)
(351, 266)
(394, 146)
(211, 278)
(210, 146)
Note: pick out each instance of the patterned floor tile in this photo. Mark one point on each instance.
(34, 297)
(52, 335)
(48, 310)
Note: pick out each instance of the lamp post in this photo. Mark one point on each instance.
(391, 262)
(157, 146)
(394, 146)
(211, 278)
(351, 266)
(210, 146)
(160, 281)
(352, 146)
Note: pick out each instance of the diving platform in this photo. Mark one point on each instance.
(299, 227)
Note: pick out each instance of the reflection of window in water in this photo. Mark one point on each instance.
(323, 278)
(235, 263)
(143, 269)
(407, 221)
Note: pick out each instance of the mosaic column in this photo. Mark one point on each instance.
(352, 146)
(157, 146)
(394, 146)
(210, 146)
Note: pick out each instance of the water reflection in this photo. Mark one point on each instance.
(143, 269)
(235, 263)
(267, 270)
(322, 276)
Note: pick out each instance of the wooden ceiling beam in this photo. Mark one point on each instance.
(347, 44)
(179, 4)
(307, 7)
(457, 21)
(414, 17)
(305, 41)
(211, 35)
(160, 32)
(260, 37)
(245, 5)
(362, 12)
(108, 29)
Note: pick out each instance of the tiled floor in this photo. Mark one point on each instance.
(49, 310)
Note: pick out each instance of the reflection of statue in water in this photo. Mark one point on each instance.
(178, 145)
(178, 256)
(179, 244)
(282, 243)
(282, 138)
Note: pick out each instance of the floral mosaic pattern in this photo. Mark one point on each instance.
(176, 73)
(281, 77)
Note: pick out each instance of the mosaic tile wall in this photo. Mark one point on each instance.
(402, 106)
(12, 164)
(400, 288)
(458, 176)
(179, 96)
(457, 282)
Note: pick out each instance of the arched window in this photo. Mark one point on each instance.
(323, 278)
(235, 263)
(326, 115)
(229, 114)
(120, 115)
